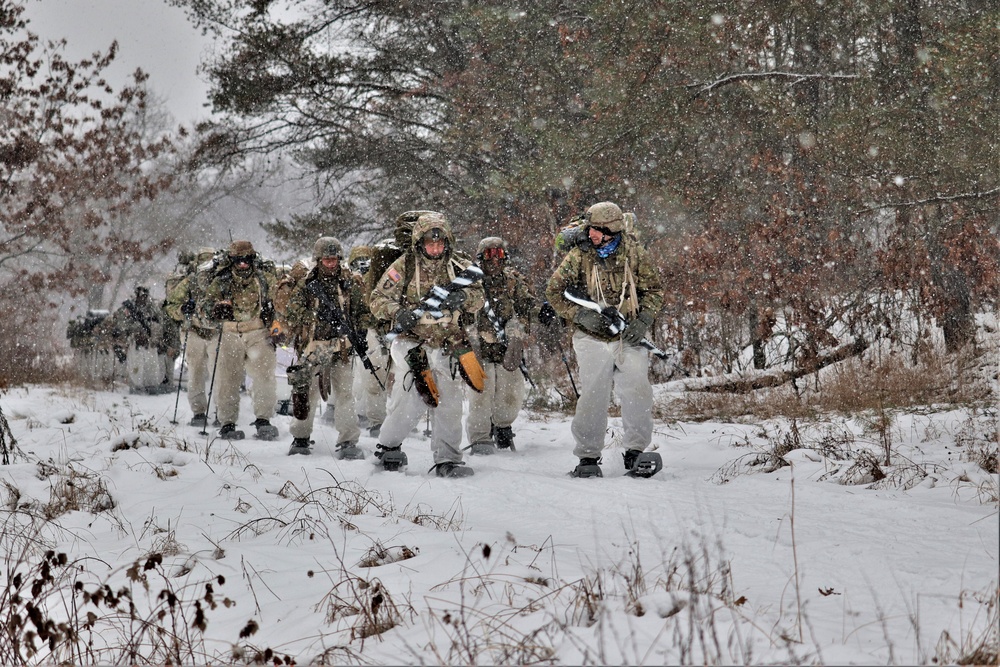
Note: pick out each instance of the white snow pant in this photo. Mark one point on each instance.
(603, 367)
(250, 353)
(405, 406)
(143, 368)
(497, 405)
(198, 356)
(341, 396)
(371, 397)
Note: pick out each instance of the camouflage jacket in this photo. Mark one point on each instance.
(250, 296)
(513, 303)
(139, 324)
(395, 290)
(627, 280)
(192, 287)
(307, 317)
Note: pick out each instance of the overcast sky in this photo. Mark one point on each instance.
(151, 35)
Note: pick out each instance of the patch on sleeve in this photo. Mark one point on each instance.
(393, 275)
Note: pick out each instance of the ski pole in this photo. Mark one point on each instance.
(180, 375)
(569, 372)
(211, 384)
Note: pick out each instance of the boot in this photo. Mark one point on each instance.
(451, 469)
(504, 437)
(348, 451)
(630, 456)
(390, 458)
(587, 468)
(200, 419)
(644, 464)
(482, 448)
(264, 429)
(300, 446)
(375, 430)
(229, 432)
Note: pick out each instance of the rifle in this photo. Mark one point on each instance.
(334, 314)
(616, 321)
(431, 302)
(501, 333)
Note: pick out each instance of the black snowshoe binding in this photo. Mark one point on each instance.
(642, 464)
(265, 431)
(503, 436)
(390, 458)
(451, 469)
(300, 446)
(348, 451)
(200, 419)
(229, 432)
(587, 468)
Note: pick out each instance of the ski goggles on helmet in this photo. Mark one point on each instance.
(603, 230)
(432, 235)
(242, 259)
(493, 253)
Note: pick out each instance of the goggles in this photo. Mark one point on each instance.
(243, 259)
(493, 253)
(432, 235)
(603, 230)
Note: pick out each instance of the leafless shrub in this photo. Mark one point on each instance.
(378, 555)
(74, 491)
(979, 642)
(453, 520)
(866, 469)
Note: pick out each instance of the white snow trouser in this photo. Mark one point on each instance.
(341, 396)
(603, 367)
(406, 407)
(371, 397)
(252, 353)
(499, 403)
(199, 355)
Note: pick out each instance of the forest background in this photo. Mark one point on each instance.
(820, 175)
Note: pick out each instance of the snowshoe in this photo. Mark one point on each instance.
(200, 419)
(229, 432)
(265, 431)
(390, 458)
(451, 469)
(348, 451)
(482, 448)
(300, 446)
(587, 468)
(644, 464)
(504, 437)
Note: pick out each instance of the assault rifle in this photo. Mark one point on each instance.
(331, 312)
(501, 333)
(431, 302)
(616, 321)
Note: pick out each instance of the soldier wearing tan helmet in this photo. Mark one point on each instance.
(322, 311)
(199, 331)
(238, 299)
(430, 348)
(609, 269)
(501, 343)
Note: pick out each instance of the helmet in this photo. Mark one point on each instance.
(185, 256)
(606, 215)
(327, 246)
(491, 242)
(205, 254)
(431, 222)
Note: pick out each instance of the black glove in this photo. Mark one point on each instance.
(406, 319)
(188, 308)
(636, 330)
(594, 322)
(547, 314)
(223, 311)
(454, 300)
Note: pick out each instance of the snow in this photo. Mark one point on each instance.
(713, 560)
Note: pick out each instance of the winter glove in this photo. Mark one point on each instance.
(223, 311)
(406, 319)
(454, 300)
(547, 314)
(593, 322)
(636, 329)
(188, 308)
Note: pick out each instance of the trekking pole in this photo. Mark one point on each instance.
(569, 372)
(211, 384)
(180, 375)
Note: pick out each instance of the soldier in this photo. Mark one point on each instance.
(138, 332)
(512, 304)
(201, 334)
(238, 298)
(322, 320)
(610, 270)
(433, 348)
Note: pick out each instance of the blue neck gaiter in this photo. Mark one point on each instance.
(608, 249)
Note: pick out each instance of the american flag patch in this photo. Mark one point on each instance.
(394, 275)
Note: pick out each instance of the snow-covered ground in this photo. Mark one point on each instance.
(724, 557)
